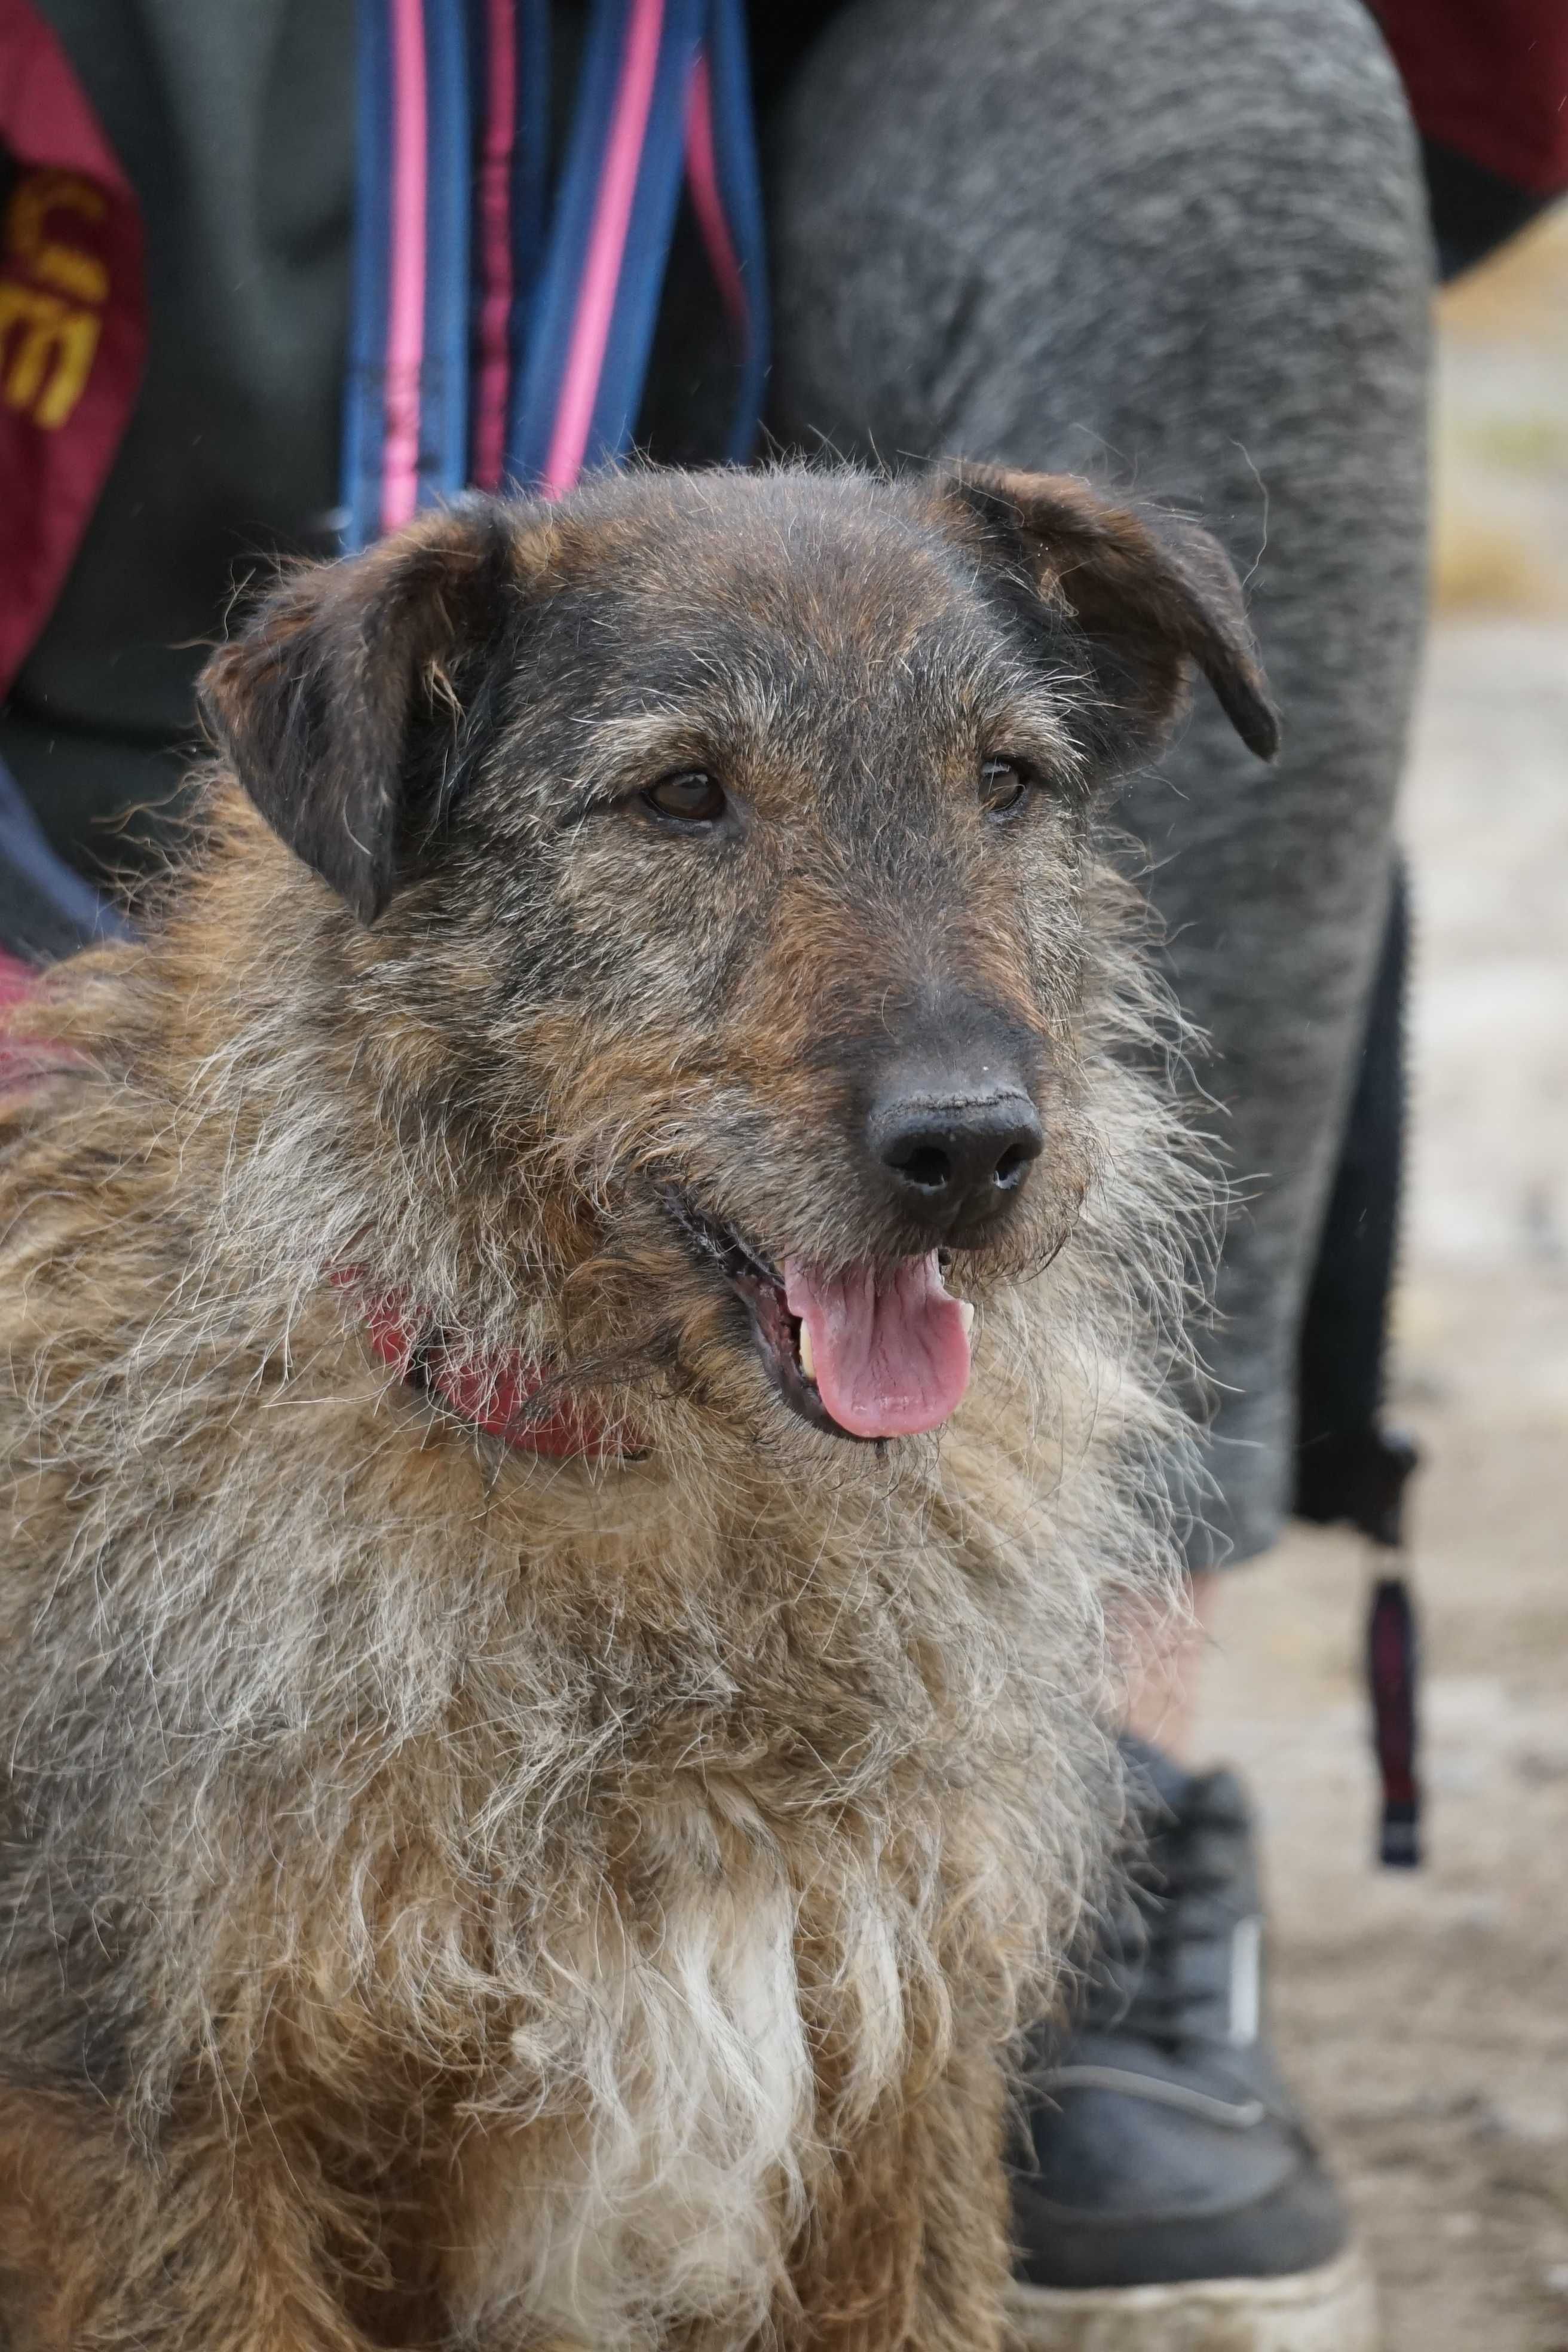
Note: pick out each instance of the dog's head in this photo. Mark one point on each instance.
(726, 837)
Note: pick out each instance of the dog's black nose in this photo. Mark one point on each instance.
(955, 1160)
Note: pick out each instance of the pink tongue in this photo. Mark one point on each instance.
(890, 1359)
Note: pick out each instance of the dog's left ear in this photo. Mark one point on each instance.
(339, 708)
(1149, 590)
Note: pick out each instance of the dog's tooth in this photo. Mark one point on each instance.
(807, 1362)
(967, 1315)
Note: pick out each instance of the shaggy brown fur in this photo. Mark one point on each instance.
(453, 1896)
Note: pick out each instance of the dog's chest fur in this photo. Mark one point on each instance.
(675, 1816)
(654, 2115)
(677, 2075)
(709, 1971)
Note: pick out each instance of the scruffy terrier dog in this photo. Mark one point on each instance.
(535, 1783)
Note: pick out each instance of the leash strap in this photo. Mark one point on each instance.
(511, 211)
(405, 430)
(1393, 1654)
(614, 218)
(500, 330)
(727, 197)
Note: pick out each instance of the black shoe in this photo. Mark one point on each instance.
(1169, 2196)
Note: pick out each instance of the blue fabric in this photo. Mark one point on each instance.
(48, 909)
(530, 171)
(741, 187)
(549, 237)
(365, 394)
(536, 385)
(449, 216)
(649, 239)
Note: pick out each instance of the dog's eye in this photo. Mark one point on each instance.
(691, 797)
(1004, 786)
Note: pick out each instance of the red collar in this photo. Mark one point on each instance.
(493, 1392)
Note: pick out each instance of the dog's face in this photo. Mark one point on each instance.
(726, 835)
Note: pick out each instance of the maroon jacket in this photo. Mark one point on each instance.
(1488, 82)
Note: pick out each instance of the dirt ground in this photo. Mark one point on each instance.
(1425, 2015)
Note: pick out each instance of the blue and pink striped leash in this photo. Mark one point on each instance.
(501, 328)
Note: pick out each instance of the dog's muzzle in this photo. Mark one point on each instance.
(868, 1352)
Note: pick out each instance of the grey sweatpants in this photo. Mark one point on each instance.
(1180, 245)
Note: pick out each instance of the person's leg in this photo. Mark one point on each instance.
(1178, 245)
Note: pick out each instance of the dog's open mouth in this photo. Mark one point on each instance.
(868, 1353)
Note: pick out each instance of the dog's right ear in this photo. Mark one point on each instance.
(339, 708)
(1150, 592)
